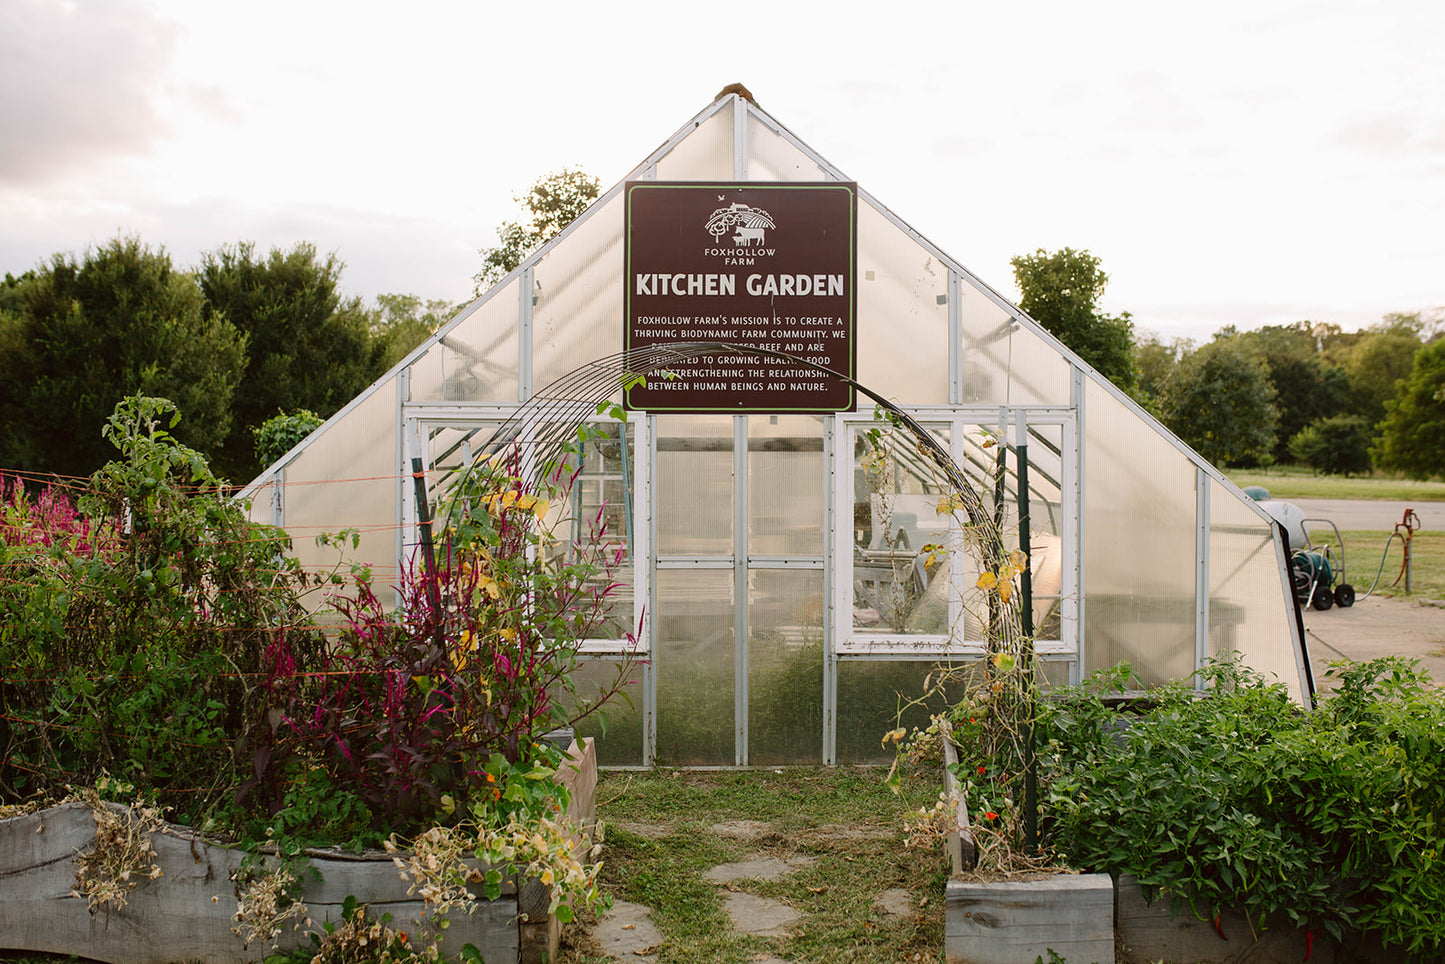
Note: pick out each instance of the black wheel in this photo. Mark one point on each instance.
(1323, 599)
(1345, 595)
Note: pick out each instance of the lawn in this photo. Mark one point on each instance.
(1291, 482)
(1363, 556)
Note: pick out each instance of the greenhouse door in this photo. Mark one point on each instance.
(739, 619)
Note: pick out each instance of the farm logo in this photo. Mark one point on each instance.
(748, 227)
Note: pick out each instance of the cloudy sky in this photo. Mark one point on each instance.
(1240, 163)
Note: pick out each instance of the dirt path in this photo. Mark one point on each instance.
(1376, 627)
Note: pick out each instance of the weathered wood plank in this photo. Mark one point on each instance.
(960, 845)
(1015, 922)
(186, 913)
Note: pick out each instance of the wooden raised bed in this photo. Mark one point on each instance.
(1019, 921)
(186, 914)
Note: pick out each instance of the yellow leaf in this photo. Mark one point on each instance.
(1019, 558)
(987, 580)
(1005, 591)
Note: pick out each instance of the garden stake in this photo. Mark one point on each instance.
(428, 550)
(1026, 620)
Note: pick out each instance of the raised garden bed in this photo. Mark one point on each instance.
(185, 914)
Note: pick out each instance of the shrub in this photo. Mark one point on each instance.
(1339, 445)
(1235, 797)
(133, 620)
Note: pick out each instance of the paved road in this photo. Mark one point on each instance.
(1380, 515)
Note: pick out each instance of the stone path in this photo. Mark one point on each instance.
(627, 932)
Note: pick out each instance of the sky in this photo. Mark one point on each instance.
(1244, 163)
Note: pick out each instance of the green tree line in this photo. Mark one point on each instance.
(1308, 393)
(255, 350)
(241, 339)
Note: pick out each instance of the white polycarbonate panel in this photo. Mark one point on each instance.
(1036, 374)
(706, 154)
(1139, 552)
(984, 352)
(577, 297)
(869, 695)
(617, 724)
(346, 479)
(694, 485)
(772, 157)
(1250, 611)
(786, 482)
(902, 334)
(477, 360)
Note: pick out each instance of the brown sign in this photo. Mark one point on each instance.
(767, 265)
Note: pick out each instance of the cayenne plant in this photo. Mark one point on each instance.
(1233, 796)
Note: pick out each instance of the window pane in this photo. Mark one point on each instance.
(771, 157)
(693, 654)
(1249, 611)
(576, 298)
(694, 485)
(704, 155)
(617, 725)
(786, 483)
(785, 666)
(869, 695)
(897, 587)
(344, 479)
(1139, 553)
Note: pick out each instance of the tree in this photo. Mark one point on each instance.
(1153, 361)
(79, 336)
(1061, 291)
(1412, 436)
(1377, 358)
(402, 322)
(1307, 388)
(554, 202)
(277, 436)
(309, 347)
(1335, 446)
(1219, 400)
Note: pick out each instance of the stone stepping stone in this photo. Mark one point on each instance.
(627, 933)
(895, 902)
(761, 868)
(744, 829)
(761, 916)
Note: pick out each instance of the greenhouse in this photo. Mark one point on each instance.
(789, 563)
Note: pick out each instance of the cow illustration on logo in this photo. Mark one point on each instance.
(749, 222)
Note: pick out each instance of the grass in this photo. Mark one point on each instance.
(661, 837)
(1363, 552)
(1292, 482)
